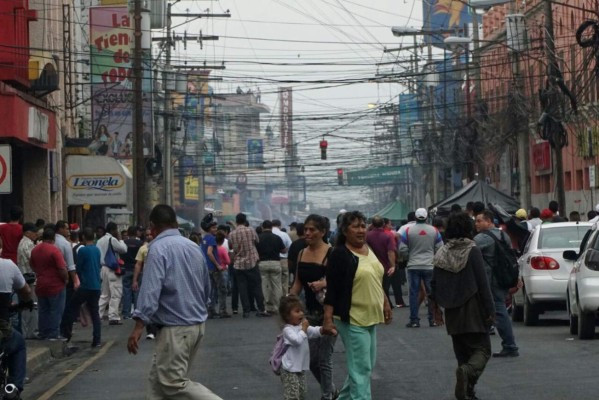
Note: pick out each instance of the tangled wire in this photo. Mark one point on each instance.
(589, 40)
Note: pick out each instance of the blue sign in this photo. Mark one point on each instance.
(445, 15)
(255, 153)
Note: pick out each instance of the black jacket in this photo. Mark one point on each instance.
(341, 270)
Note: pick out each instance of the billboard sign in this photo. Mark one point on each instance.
(96, 180)
(445, 15)
(111, 56)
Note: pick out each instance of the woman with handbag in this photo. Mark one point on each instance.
(310, 277)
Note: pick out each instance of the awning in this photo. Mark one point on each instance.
(96, 180)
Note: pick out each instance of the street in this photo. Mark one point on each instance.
(412, 364)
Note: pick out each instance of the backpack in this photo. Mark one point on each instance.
(506, 270)
(276, 357)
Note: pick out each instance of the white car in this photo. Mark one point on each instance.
(544, 271)
(583, 287)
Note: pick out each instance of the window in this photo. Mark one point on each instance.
(567, 237)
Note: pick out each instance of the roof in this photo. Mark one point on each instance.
(396, 210)
(477, 191)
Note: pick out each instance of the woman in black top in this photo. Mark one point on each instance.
(310, 277)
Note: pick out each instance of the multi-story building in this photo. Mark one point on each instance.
(499, 74)
(33, 121)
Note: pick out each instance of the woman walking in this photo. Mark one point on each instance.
(355, 303)
(309, 274)
(460, 286)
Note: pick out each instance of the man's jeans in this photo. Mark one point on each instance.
(16, 352)
(91, 298)
(218, 291)
(50, 309)
(503, 324)
(270, 273)
(321, 364)
(415, 276)
(129, 296)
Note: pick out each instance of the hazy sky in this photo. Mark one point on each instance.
(326, 50)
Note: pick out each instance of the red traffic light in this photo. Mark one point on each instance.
(340, 176)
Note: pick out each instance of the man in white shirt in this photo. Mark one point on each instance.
(112, 284)
(276, 229)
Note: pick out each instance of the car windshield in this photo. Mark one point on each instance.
(562, 238)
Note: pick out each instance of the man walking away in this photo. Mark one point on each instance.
(174, 296)
(503, 324)
(276, 229)
(383, 246)
(269, 248)
(419, 243)
(112, 284)
(243, 241)
(133, 243)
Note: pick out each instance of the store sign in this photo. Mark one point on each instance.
(96, 180)
(5, 169)
(286, 123)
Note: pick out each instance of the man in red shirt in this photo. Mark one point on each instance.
(11, 234)
(51, 270)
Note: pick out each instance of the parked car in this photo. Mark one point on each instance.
(583, 287)
(544, 271)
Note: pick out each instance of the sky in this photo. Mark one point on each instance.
(327, 50)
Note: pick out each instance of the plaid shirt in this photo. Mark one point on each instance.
(243, 242)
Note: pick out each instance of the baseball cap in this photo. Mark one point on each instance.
(421, 213)
(546, 213)
(208, 221)
(521, 213)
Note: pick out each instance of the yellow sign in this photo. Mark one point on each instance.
(192, 186)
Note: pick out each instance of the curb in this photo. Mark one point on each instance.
(37, 357)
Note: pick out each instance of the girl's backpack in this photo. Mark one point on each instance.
(276, 357)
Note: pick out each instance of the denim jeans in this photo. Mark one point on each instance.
(321, 364)
(129, 296)
(503, 323)
(16, 352)
(415, 276)
(50, 309)
(234, 291)
(218, 292)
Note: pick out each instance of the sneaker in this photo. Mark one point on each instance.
(97, 345)
(461, 383)
(492, 330)
(432, 324)
(58, 339)
(400, 306)
(506, 353)
(235, 312)
(115, 322)
(150, 336)
(413, 324)
(262, 314)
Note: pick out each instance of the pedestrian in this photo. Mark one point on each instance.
(269, 248)
(296, 334)
(208, 246)
(51, 272)
(398, 278)
(356, 299)
(418, 244)
(554, 208)
(63, 231)
(28, 318)
(88, 292)
(298, 245)
(486, 244)
(461, 287)
(140, 260)
(174, 295)
(384, 248)
(221, 278)
(11, 234)
(243, 241)
(133, 243)
(276, 229)
(310, 277)
(112, 284)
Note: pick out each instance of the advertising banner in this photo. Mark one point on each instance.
(111, 57)
(286, 101)
(255, 153)
(445, 15)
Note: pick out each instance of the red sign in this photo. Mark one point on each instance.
(541, 156)
(5, 170)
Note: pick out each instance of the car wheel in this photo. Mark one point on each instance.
(586, 325)
(517, 311)
(573, 318)
(531, 315)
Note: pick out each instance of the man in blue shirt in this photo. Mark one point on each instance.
(218, 287)
(174, 296)
(88, 270)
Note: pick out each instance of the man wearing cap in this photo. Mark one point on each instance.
(218, 290)
(418, 244)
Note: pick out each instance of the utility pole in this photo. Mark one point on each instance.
(168, 110)
(140, 203)
(552, 71)
(478, 90)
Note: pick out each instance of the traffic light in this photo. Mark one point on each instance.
(323, 149)
(340, 176)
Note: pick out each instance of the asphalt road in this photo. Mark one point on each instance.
(412, 364)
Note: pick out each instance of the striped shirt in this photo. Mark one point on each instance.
(243, 242)
(176, 284)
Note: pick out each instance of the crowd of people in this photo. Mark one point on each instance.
(322, 283)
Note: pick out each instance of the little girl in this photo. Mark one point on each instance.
(296, 359)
